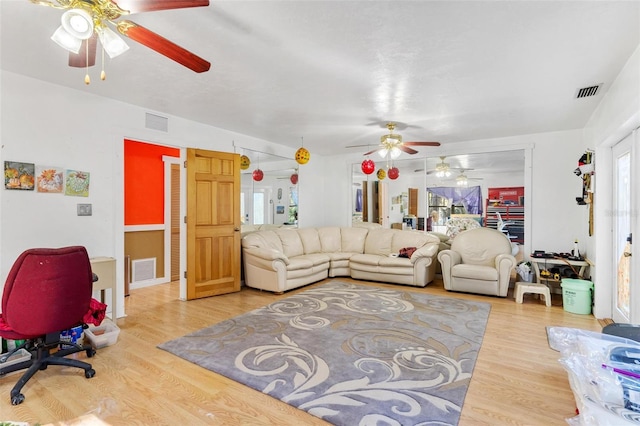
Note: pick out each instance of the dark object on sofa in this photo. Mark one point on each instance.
(47, 291)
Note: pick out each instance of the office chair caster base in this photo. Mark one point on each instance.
(17, 399)
(91, 352)
(89, 373)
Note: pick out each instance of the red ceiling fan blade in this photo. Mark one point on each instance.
(407, 149)
(371, 152)
(163, 46)
(137, 6)
(79, 60)
(422, 143)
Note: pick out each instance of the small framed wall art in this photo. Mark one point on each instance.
(19, 175)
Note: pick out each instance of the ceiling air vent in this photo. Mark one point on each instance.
(585, 92)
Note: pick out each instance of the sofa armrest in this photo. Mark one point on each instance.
(505, 264)
(447, 259)
(428, 250)
(266, 254)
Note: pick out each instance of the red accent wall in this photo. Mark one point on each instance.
(144, 182)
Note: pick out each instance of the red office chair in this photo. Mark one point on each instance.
(47, 291)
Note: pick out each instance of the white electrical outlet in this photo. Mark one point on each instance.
(84, 209)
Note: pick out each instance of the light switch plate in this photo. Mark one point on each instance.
(84, 209)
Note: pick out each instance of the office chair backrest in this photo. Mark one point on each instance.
(47, 290)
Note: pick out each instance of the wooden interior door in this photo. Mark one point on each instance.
(175, 222)
(213, 223)
(413, 201)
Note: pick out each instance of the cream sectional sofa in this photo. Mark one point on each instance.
(284, 259)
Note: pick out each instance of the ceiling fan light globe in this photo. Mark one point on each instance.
(78, 23)
(395, 152)
(383, 153)
(112, 43)
(66, 40)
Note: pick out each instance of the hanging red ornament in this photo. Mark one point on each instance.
(258, 175)
(294, 178)
(368, 166)
(381, 174)
(393, 173)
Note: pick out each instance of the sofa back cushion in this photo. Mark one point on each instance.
(291, 242)
(404, 239)
(310, 240)
(330, 239)
(480, 246)
(379, 242)
(352, 239)
(262, 239)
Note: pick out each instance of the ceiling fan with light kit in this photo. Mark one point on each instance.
(391, 144)
(84, 22)
(463, 180)
(443, 169)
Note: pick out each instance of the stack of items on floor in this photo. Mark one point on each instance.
(604, 374)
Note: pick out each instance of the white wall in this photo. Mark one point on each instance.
(50, 125)
(618, 113)
(47, 124)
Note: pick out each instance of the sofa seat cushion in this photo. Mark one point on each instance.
(341, 255)
(475, 272)
(381, 264)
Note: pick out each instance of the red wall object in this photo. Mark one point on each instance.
(144, 182)
(514, 194)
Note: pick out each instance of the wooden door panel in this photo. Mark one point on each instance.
(175, 222)
(213, 223)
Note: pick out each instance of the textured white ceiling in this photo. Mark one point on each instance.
(333, 72)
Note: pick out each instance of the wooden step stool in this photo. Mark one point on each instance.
(523, 287)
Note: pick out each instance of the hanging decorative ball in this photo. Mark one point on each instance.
(302, 156)
(368, 166)
(294, 178)
(381, 174)
(258, 175)
(245, 162)
(393, 173)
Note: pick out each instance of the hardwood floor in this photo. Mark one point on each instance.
(517, 379)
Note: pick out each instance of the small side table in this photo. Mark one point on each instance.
(524, 287)
(105, 269)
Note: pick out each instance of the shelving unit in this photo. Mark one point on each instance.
(510, 213)
(509, 203)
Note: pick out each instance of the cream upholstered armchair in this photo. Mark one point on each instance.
(479, 261)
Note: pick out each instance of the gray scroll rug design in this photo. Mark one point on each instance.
(351, 354)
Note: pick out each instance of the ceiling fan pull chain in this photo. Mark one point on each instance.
(103, 75)
(87, 79)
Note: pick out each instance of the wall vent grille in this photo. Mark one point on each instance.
(156, 122)
(143, 269)
(586, 92)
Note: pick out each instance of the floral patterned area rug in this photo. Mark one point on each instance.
(351, 354)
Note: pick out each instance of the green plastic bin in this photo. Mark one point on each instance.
(576, 295)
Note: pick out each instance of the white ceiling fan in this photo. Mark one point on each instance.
(442, 169)
(462, 179)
